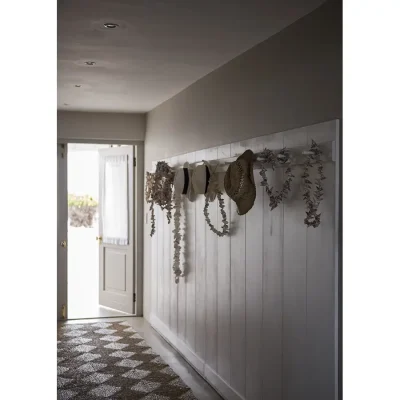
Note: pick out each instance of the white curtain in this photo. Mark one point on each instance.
(115, 200)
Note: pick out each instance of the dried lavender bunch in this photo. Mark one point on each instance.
(282, 157)
(312, 202)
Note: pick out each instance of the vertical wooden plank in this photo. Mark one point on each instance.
(295, 284)
(160, 261)
(321, 290)
(211, 267)
(191, 275)
(181, 287)
(254, 278)
(201, 266)
(238, 294)
(224, 283)
(173, 290)
(272, 282)
(167, 257)
(154, 263)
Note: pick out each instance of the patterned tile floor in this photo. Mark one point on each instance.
(99, 380)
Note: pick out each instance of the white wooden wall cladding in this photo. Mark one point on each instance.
(256, 312)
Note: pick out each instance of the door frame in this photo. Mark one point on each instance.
(138, 170)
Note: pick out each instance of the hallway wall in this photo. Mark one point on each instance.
(293, 79)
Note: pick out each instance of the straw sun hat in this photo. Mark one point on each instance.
(239, 182)
(183, 182)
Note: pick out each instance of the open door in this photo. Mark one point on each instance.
(116, 233)
(62, 231)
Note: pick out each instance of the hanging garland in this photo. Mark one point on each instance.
(150, 182)
(221, 202)
(159, 191)
(177, 237)
(212, 193)
(312, 218)
(282, 157)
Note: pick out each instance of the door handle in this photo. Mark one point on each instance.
(99, 239)
(63, 243)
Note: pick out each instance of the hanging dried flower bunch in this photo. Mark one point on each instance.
(312, 203)
(282, 157)
(159, 190)
(212, 193)
(221, 203)
(177, 236)
(150, 183)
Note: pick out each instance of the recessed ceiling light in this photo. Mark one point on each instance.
(77, 85)
(110, 25)
(90, 63)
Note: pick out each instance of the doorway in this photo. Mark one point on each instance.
(97, 266)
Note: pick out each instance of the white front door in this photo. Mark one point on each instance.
(62, 231)
(116, 233)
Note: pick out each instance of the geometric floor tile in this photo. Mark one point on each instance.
(91, 367)
(130, 330)
(79, 340)
(83, 348)
(110, 338)
(112, 361)
(116, 346)
(101, 325)
(146, 386)
(122, 354)
(66, 394)
(97, 378)
(104, 391)
(86, 357)
(75, 333)
(62, 381)
(136, 374)
(135, 336)
(168, 371)
(129, 363)
(61, 370)
(125, 323)
(154, 396)
(105, 331)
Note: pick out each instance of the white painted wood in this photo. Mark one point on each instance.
(116, 262)
(62, 229)
(254, 290)
(257, 313)
(188, 256)
(176, 309)
(211, 261)
(273, 284)
(224, 285)
(168, 253)
(320, 296)
(294, 284)
(161, 219)
(210, 375)
(238, 301)
(191, 275)
(205, 278)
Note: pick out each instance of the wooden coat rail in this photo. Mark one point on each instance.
(296, 157)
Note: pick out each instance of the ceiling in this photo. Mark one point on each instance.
(159, 48)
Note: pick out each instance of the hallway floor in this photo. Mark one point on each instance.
(201, 389)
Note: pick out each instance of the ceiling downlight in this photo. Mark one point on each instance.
(110, 25)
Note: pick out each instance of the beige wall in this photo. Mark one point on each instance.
(291, 80)
(100, 126)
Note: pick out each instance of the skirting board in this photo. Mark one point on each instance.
(211, 376)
